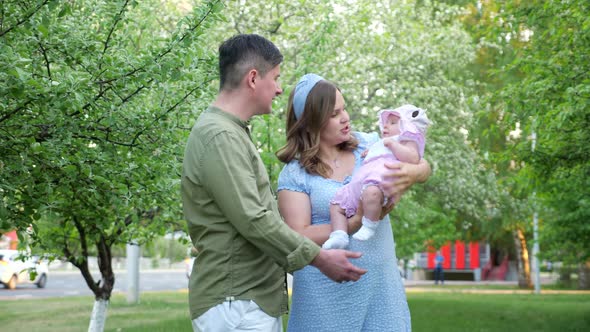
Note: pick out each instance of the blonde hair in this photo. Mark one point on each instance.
(303, 135)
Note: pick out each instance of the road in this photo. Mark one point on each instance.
(71, 283)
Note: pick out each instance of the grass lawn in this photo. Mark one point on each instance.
(499, 312)
(168, 311)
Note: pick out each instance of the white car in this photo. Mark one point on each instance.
(14, 271)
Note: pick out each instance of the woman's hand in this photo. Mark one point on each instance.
(355, 222)
(401, 176)
(388, 207)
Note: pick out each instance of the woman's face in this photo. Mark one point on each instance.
(337, 129)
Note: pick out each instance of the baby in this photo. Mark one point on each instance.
(403, 132)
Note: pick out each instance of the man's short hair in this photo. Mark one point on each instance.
(244, 52)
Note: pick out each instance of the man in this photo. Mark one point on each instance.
(438, 269)
(239, 281)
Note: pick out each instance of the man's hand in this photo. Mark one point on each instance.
(335, 265)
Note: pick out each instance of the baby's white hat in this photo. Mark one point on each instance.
(412, 118)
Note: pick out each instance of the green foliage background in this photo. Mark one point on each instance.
(98, 97)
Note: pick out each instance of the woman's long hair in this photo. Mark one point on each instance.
(303, 135)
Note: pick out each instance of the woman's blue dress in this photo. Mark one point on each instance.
(377, 302)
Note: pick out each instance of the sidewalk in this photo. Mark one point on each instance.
(453, 286)
(411, 286)
(428, 283)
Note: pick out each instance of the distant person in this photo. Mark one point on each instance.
(403, 133)
(244, 247)
(439, 274)
(321, 155)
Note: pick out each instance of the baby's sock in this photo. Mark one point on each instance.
(337, 240)
(367, 230)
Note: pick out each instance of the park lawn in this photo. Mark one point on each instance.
(168, 311)
(157, 311)
(499, 312)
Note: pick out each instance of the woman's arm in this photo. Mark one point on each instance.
(401, 176)
(295, 207)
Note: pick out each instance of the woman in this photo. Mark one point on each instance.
(321, 154)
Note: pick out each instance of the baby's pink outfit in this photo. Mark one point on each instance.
(373, 166)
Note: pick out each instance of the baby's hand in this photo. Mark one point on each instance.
(364, 154)
(389, 143)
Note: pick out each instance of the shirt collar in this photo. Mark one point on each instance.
(231, 117)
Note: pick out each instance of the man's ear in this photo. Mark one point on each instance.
(251, 78)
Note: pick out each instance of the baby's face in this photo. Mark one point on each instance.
(391, 126)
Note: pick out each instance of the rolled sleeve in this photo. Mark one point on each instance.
(302, 256)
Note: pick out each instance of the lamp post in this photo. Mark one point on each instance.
(537, 278)
(132, 272)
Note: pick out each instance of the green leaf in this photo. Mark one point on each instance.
(43, 29)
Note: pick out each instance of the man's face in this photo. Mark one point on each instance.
(267, 88)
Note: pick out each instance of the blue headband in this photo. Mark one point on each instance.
(304, 86)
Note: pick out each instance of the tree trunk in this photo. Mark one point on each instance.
(584, 275)
(522, 254)
(99, 316)
(103, 288)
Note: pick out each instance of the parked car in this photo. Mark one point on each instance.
(15, 271)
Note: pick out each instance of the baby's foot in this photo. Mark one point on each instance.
(364, 233)
(337, 240)
(367, 230)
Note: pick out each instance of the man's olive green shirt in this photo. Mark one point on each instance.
(244, 248)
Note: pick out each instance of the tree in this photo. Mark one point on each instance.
(553, 101)
(96, 96)
(493, 137)
(532, 58)
(383, 54)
